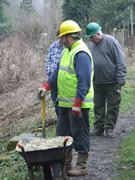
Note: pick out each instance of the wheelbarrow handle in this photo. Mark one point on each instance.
(66, 140)
(64, 148)
(30, 167)
(24, 154)
(64, 156)
(20, 146)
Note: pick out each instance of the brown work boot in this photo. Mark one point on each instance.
(81, 166)
(97, 132)
(68, 161)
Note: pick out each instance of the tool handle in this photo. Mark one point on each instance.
(43, 115)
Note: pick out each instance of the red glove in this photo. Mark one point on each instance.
(42, 90)
(76, 109)
(46, 86)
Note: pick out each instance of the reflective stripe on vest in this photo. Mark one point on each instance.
(72, 100)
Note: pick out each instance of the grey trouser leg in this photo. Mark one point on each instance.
(113, 104)
(78, 128)
(107, 100)
(99, 106)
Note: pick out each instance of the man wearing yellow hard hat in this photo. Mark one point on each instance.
(74, 77)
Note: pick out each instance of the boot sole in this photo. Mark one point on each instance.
(77, 174)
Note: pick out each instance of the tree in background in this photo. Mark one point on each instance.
(77, 10)
(5, 25)
(52, 18)
(109, 14)
(26, 5)
(2, 17)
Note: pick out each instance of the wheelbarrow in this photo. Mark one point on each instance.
(44, 157)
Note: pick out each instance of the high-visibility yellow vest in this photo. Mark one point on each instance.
(67, 80)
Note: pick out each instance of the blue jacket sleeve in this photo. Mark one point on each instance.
(83, 68)
(53, 78)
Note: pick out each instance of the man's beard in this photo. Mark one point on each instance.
(66, 45)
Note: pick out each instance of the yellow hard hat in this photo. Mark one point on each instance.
(68, 27)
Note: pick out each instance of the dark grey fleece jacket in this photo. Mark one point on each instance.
(109, 61)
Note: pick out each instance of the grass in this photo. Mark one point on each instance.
(19, 170)
(126, 153)
(128, 100)
(127, 149)
(126, 161)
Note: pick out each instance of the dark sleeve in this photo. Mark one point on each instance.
(83, 68)
(120, 60)
(53, 78)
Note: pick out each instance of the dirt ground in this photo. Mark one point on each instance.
(101, 164)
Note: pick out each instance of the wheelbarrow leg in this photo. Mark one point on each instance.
(30, 168)
(29, 165)
(47, 172)
(63, 169)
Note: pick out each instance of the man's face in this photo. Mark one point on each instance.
(66, 41)
(96, 38)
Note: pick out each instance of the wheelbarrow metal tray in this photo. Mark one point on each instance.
(44, 156)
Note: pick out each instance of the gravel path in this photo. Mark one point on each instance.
(101, 165)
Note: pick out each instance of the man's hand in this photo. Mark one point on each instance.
(122, 82)
(42, 90)
(41, 93)
(76, 109)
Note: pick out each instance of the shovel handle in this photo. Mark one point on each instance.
(43, 115)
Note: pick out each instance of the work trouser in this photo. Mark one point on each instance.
(77, 127)
(107, 98)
